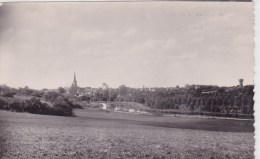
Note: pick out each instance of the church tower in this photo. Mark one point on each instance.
(74, 87)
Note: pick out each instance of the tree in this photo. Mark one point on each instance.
(112, 94)
(122, 90)
(85, 98)
(61, 90)
(105, 95)
(51, 96)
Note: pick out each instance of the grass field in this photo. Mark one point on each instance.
(97, 134)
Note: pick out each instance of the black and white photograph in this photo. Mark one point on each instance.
(127, 80)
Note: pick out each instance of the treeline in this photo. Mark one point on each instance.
(193, 98)
(190, 99)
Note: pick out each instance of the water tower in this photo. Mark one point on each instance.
(240, 82)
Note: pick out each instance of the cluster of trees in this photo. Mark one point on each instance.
(36, 102)
(190, 98)
(58, 98)
(220, 100)
(36, 106)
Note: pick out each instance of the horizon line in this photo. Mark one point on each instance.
(126, 86)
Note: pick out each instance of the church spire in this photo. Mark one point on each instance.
(75, 77)
(74, 87)
(75, 80)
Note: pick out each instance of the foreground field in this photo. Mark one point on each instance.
(94, 134)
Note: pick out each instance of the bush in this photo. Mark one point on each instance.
(17, 107)
(9, 94)
(62, 109)
(72, 104)
(35, 106)
(4, 105)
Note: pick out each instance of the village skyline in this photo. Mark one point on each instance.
(104, 85)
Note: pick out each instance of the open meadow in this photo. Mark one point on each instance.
(101, 134)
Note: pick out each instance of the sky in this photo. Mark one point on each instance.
(156, 44)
